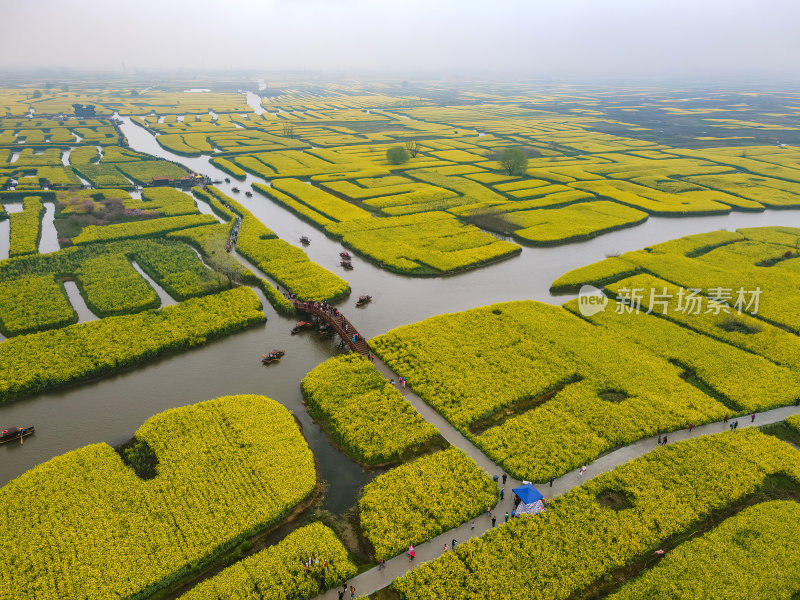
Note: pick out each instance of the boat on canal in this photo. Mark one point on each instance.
(272, 357)
(11, 434)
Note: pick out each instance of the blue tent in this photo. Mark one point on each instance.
(531, 501)
(527, 493)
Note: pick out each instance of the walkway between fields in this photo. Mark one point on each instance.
(373, 580)
(450, 433)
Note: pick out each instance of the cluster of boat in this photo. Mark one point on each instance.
(236, 190)
(321, 325)
(345, 262)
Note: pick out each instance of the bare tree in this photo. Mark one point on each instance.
(231, 273)
(413, 147)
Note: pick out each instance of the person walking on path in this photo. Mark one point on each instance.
(446, 547)
(502, 493)
(552, 479)
(664, 441)
(659, 439)
(731, 426)
(725, 420)
(494, 519)
(691, 426)
(504, 478)
(352, 592)
(582, 470)
(506, 517)
(341, 595)
(736, 424)
(411, 552)
(381, 564)
(453, 543)
(473, 525)
(753, 417)
(489, 511)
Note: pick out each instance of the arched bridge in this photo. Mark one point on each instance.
(338, 323)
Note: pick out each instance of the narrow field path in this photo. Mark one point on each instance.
(373, 580)
(450, 433)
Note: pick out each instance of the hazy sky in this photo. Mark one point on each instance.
(538, 38)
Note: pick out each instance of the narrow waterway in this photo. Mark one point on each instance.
(78, 303)
(163, 296)
(5, 231)
(48, 241)
(254, 101)
(112, 408)
(205, 208)
(85, 182)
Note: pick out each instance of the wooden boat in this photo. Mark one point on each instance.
(305, 241)
(301, 325)
(347, 265)
(363, 300)
(272, 357)
(15, 433)
(345, 255)
(249, 194)
(324, 328)
(235, 190)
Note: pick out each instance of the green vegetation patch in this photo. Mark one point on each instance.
(759, 545)
(363, 412)
(26, 227)
(33, 303)
(415, 502)
(279, 570)
(554, 364)
(49, 359)
(286, 264)
(211, 461)
(577, 540)
(422, 244)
